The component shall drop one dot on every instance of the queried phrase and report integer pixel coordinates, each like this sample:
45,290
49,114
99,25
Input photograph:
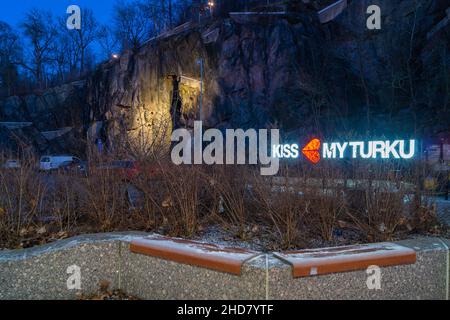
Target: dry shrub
327,201
148,211
376,214
172,198
62,201
154,197
384,200
300,205
379,201
182,206
283,208
21,198
325,210
231,196
103,198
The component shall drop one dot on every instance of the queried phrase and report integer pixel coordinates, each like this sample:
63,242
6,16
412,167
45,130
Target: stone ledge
219,258
41,273
311,262
425,279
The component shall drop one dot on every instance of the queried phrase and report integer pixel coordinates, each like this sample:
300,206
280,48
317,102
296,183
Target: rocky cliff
53,121
287,70
292,72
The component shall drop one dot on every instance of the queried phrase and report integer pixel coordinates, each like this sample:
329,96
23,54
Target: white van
48,163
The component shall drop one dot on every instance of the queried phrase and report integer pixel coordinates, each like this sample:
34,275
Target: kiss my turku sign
252,146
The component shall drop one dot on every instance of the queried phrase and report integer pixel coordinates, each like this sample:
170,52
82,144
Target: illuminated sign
380,149
263,147
312,151
285,151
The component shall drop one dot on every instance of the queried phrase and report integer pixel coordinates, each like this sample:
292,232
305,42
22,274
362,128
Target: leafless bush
103,199
149,211
231,187
284,208
303,206
21,197
384,200
182,204
62,201
327,201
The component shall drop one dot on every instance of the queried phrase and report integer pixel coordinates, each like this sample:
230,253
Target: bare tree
166,13
107,41
65,53
182,11
132,24
10,52
39,27
156,12
85,36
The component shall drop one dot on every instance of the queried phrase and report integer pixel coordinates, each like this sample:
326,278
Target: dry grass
230,188
304,206
21,198
284,209
173,198
103,200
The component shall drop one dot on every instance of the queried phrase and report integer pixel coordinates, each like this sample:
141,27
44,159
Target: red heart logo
311,151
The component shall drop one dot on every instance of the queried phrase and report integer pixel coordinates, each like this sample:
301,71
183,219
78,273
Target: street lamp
200,62
211,6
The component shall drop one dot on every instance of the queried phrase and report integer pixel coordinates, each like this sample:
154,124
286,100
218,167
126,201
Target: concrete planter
133,265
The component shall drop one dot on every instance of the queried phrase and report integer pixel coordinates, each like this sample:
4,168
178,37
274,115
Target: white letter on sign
329,152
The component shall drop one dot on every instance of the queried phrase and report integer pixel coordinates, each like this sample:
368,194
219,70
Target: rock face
63,106
60,107
290,72
404,67
254,74
287,71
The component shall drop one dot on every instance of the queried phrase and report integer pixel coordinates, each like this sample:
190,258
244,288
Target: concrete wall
41,273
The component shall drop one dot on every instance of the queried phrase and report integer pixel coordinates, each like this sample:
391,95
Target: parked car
49,163
126,169
11,164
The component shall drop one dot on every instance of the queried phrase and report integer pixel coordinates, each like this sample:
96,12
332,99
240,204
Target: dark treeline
40,51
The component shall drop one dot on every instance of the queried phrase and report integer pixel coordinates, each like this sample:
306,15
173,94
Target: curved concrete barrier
195,253
155,267
311,262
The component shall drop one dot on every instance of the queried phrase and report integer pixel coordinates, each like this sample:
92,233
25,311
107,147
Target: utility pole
200,62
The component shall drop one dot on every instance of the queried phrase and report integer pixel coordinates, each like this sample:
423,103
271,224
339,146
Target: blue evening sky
13,11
